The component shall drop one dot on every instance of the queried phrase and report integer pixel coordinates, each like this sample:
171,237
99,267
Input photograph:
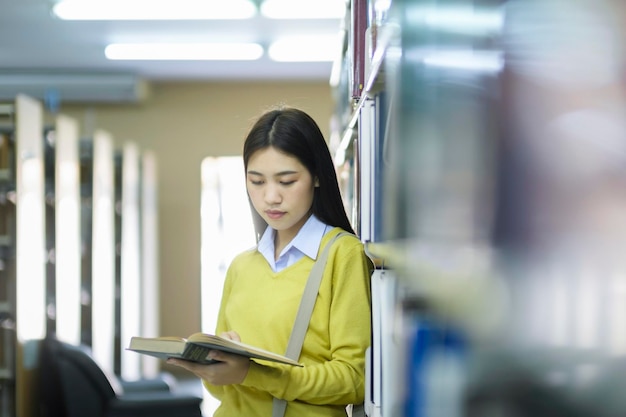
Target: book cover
196,347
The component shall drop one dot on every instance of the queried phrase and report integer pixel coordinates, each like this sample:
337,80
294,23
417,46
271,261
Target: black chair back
74,385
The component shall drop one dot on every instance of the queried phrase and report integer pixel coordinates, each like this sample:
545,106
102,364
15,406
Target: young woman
297,209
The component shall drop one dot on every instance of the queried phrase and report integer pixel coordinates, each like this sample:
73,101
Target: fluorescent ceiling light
184,51
303,9
153,9
305,49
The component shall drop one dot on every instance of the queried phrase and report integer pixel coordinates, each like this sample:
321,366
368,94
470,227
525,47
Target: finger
174,362
232,335
181,363
221,356
217,355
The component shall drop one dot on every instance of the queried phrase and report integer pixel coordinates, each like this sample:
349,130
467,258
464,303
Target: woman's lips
274,214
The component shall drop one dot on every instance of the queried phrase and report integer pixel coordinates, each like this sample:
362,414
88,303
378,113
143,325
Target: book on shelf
359,25
196,347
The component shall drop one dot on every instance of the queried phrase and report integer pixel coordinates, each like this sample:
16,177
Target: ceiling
34,43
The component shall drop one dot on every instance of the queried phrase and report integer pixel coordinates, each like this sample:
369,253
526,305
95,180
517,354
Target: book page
241,348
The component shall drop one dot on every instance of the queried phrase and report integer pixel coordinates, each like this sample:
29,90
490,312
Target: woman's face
281,190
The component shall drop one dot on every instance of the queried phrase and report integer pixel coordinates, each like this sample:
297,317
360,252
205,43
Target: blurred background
480,146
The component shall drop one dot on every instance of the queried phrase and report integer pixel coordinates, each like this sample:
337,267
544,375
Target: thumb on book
231,335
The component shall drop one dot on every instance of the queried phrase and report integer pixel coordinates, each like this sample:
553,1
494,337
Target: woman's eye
256,182
287,182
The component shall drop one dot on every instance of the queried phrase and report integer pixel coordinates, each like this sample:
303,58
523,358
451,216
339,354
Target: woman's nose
272,194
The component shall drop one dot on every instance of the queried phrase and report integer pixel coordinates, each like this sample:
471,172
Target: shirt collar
309,237
307,240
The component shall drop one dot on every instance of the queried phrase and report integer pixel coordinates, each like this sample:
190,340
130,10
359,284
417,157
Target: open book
196,347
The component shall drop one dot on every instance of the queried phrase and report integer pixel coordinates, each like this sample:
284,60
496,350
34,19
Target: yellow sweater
261,306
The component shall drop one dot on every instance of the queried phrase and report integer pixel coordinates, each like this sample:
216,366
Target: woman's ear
317,182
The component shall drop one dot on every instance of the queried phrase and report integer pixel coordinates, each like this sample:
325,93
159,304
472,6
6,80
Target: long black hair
295,133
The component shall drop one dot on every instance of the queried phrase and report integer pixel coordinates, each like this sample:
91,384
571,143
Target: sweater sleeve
335,374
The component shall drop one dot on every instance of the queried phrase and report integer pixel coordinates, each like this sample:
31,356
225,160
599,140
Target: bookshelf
360,124
149,214
48,139
61,199
67,220
131,285
407,174
103,262
118,211
85,163
29,298
497,271
28,282
8,338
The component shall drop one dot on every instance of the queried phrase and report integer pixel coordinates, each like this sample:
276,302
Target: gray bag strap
301,324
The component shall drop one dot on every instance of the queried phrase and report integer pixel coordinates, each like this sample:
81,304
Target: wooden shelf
459,282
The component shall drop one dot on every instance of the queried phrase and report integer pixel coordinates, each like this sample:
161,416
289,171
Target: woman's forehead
269,161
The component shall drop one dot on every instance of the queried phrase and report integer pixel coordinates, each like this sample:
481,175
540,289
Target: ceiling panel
33,41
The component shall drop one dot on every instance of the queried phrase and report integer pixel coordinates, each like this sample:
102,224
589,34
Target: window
227,230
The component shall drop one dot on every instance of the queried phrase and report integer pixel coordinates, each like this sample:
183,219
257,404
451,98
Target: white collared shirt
306,243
